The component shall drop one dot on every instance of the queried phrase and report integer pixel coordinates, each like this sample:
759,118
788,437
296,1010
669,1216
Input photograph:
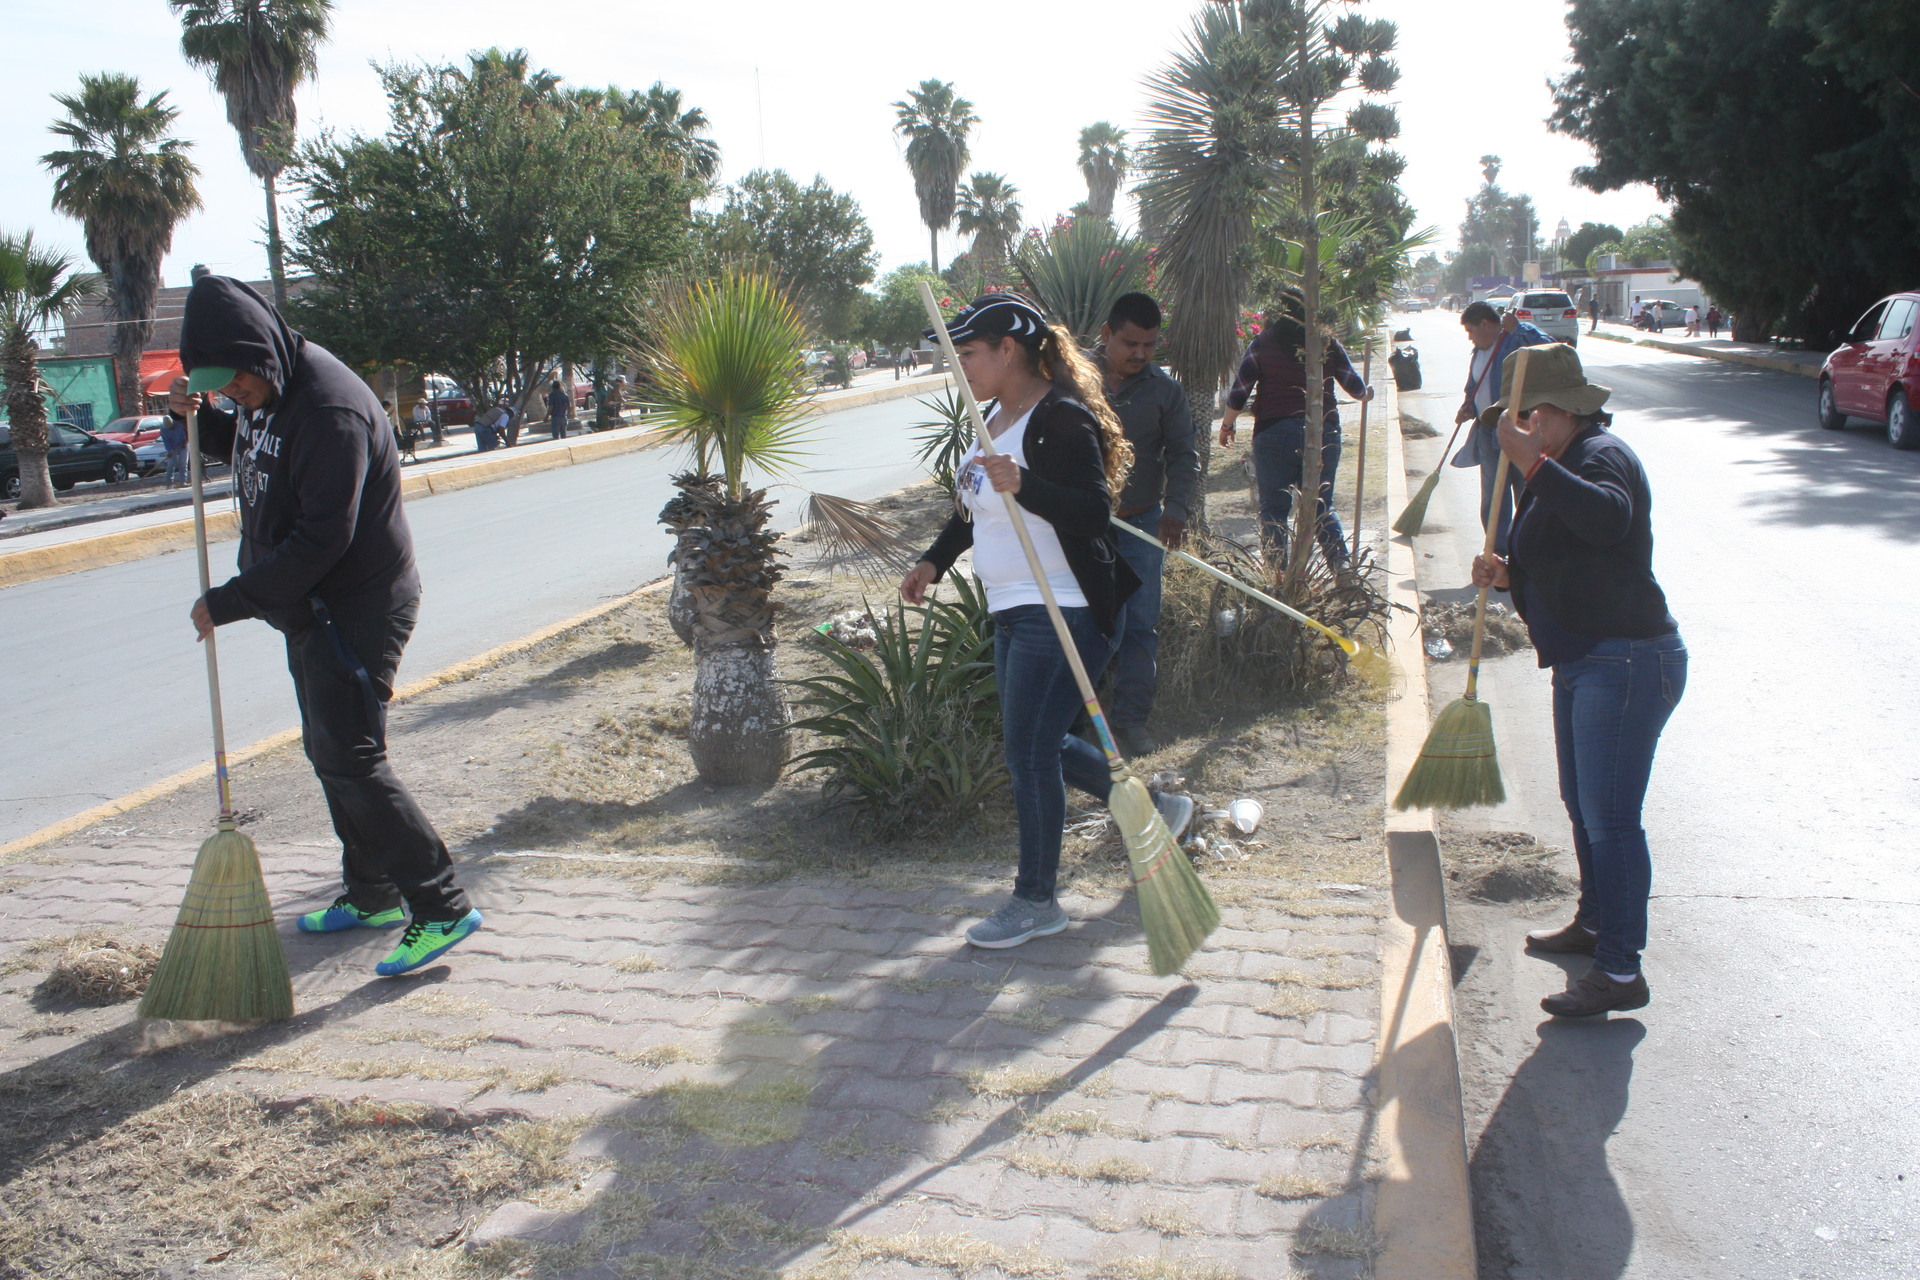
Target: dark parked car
73,455
1875,373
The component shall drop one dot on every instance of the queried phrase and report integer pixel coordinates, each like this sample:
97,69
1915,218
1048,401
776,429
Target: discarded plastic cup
1245,814
1226,622
1438,649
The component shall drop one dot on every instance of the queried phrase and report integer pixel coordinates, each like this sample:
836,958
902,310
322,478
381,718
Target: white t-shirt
997,556
1488,389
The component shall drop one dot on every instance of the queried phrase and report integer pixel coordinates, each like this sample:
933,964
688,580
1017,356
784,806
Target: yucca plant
945,438
912,726
1077,272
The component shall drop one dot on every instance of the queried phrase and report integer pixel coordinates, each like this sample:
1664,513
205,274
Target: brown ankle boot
1571,939
1596,992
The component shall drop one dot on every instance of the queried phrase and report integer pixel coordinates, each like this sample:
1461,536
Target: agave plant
1077,272
945,438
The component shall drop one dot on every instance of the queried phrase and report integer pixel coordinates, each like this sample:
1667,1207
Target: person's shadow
1558,1211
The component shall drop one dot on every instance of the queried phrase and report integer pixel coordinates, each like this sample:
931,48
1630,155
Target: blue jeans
1038,702
1279,464
1136,654
176,466
1608,710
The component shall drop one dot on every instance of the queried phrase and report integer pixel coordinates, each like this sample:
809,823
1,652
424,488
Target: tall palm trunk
933,248
27,412
133,326
276,261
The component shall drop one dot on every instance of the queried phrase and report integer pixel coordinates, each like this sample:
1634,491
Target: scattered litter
1166,780
1226,622
1453,623
1245,814
1227,851
855,628
1438,649
105,974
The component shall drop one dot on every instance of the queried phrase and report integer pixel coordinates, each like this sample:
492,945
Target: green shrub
945,438
911,726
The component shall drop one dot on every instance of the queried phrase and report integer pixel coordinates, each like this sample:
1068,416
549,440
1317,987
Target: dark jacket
1065,484
1583,541
318,475
1153,411
1274,376
1482,448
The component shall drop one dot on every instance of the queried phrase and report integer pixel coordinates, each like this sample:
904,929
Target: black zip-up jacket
318,474
1065,484
1583,539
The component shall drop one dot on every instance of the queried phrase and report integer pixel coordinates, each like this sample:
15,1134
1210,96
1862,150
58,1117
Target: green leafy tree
1103,163
813,241
1496,236
1649,242
1589,237
989,211
894,317
1778,130
37,286
498,228
935,122
258,52
129,181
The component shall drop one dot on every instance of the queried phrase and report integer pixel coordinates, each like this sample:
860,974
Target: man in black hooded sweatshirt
326,558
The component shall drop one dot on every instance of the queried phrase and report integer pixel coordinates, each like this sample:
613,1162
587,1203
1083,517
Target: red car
1875,373
134,432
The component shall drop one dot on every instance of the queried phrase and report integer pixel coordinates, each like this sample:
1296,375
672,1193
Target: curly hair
1059,359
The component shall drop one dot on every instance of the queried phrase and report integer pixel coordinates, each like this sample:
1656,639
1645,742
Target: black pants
389,850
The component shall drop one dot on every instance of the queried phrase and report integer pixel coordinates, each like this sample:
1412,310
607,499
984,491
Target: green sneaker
424,942
344,915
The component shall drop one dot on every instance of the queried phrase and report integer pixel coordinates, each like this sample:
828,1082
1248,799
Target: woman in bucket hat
1580,567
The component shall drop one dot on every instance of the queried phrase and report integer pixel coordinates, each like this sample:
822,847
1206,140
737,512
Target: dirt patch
1506,633
1505,866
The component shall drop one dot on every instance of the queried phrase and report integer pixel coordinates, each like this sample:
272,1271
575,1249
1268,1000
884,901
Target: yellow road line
200,773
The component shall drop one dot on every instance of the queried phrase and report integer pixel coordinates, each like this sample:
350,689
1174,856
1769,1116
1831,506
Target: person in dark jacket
1273,376
327,559
559,405
1495,335
1061,455
1158,499
1580,568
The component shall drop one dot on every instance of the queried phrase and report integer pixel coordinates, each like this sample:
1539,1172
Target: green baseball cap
209,377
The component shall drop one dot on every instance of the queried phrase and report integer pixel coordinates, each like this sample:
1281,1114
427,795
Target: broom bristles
1416,511
1176,911
1458,767
224,961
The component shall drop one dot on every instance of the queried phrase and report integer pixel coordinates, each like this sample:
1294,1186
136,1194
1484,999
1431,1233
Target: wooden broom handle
1360,472
1493,521
197,473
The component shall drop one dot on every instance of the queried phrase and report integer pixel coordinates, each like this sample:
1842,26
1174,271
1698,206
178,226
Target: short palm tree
935,122
989,211
1103,162
37,286
729,381
129,181
258,52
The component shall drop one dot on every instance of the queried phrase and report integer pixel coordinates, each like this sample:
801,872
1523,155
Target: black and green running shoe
426,941
344,915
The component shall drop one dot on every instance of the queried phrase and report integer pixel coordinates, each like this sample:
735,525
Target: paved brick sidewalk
817,1077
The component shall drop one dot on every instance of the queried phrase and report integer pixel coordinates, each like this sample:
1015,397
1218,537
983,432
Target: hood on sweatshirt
229,326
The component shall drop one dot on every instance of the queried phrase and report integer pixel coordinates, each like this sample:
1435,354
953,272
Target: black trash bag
1405,363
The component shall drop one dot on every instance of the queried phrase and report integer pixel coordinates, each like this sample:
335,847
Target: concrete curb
123,545
1775,363
286,737
1424,1207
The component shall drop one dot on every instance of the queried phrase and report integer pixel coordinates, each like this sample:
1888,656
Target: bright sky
807,88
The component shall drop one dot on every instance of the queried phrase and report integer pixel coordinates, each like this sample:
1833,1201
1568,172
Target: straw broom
1415,514
224,961
1458,767
1176,911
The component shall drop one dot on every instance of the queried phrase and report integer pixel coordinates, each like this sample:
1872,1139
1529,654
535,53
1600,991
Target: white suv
1551,312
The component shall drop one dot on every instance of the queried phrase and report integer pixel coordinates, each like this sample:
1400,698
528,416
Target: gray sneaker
1175,811
1016,921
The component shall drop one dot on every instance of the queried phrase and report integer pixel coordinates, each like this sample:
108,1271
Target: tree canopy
499,226
1496,236
894,316
1589,237
813,241
1785,133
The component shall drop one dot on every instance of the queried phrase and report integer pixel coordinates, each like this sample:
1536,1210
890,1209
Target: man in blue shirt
1494,339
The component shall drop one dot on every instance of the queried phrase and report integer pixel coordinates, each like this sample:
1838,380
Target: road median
1752,359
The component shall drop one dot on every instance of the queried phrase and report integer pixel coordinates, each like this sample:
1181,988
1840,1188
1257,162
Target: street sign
1532,273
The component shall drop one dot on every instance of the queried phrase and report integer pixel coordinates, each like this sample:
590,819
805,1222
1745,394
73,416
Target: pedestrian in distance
487,424
1580,570
1693,320
426,422
326,558
559,405
1157,499
173,438
1634,312
1494,338
1593,312
1272,378
1062,455
1713,321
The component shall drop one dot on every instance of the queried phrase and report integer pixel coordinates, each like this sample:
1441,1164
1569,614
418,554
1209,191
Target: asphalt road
1761,1118
104,689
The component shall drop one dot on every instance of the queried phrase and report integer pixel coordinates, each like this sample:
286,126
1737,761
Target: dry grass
954,1252
101,975
814,1004
640,962
1316,1239
1062,1124
1330,977
34,955
738,1115
1328,1141
438,1004
1014,1082
1161,1268
738,1221
659,1055
1295,1186
1293,1003
1109,1169
1169,1222
1031,1019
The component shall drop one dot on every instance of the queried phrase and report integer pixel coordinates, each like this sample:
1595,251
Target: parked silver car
1550,311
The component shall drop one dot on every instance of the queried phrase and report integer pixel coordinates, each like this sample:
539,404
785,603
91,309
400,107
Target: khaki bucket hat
1554,377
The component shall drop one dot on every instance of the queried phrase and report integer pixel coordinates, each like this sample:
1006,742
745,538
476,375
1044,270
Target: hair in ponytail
1059,360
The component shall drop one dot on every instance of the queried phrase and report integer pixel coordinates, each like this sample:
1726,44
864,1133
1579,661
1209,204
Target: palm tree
730,383
683,132
1103,161
258,52
935,124
989,211
129,182
36,287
